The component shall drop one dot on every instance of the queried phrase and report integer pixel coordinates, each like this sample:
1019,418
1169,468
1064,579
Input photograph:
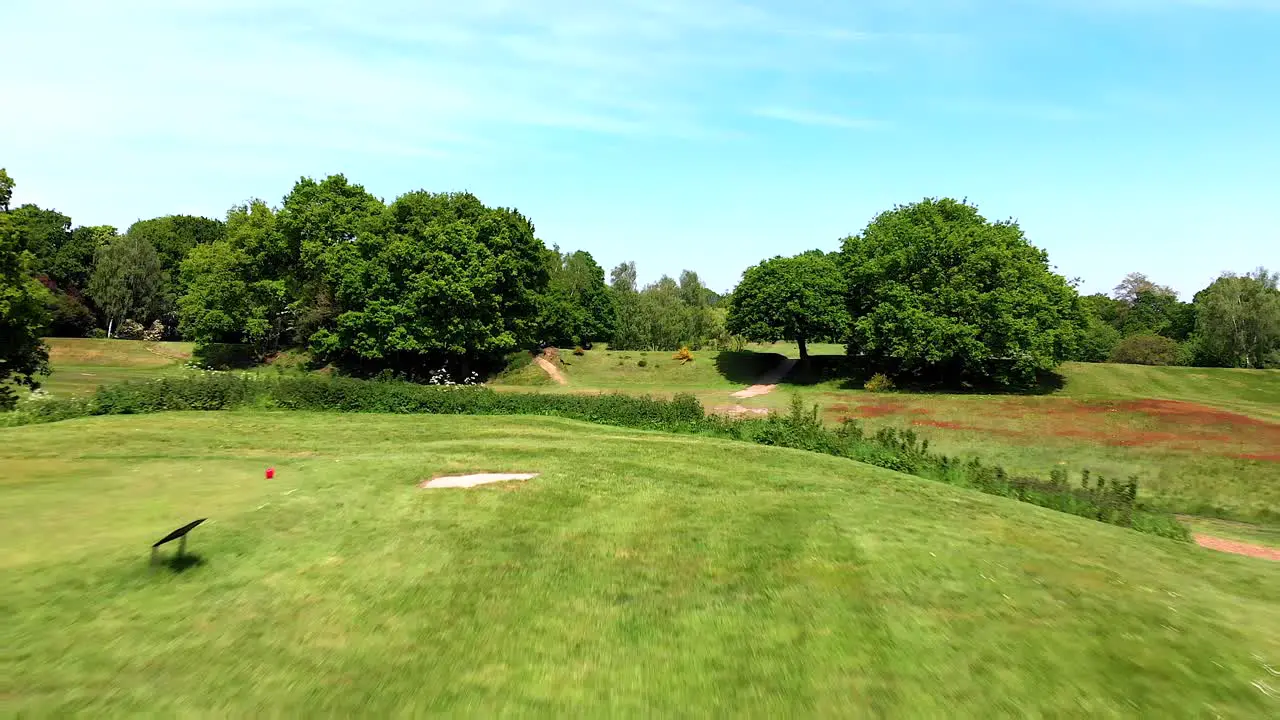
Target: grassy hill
80,365
642,573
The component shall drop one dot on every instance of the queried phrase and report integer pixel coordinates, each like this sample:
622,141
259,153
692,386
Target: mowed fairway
81,365
642,574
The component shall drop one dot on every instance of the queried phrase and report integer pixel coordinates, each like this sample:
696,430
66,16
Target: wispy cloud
819,119
434,77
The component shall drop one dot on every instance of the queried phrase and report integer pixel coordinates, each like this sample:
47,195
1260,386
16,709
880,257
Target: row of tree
935,292
434,281
1234,322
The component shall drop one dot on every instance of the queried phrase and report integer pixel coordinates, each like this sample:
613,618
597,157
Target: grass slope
1251,392
642,574
80,365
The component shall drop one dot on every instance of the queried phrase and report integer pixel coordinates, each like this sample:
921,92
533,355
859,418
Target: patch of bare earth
1237,548
738,410
768,382
546,362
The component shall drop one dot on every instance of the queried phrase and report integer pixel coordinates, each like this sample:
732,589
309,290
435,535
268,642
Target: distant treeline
437,282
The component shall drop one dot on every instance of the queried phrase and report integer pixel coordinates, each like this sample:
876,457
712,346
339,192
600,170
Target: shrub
1146,349
579,351
129,330
642,363
155,333
878,383
98,333
69,316
684,355
737,343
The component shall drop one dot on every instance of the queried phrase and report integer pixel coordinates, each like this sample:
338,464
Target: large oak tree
937,292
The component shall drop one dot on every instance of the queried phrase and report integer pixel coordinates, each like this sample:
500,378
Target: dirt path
1237,548
769,381
549,368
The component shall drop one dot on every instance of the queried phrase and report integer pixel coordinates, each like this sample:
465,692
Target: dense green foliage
1235,322
576,308
1238,320
800,298
232,296
127,281
1145,348
173,237
447,282
800,429
664,315
938,293
23,315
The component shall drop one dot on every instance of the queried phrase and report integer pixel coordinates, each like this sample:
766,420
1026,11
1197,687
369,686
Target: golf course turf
639,574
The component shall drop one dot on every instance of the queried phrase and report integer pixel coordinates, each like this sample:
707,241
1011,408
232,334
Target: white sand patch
465,481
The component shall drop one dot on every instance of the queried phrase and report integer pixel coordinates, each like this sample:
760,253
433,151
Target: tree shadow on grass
1045,384
850,373
745,367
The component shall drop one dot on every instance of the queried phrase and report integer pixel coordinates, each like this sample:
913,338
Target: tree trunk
110,323
804,348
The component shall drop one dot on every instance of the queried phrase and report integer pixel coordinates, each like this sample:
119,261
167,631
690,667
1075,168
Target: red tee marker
271,472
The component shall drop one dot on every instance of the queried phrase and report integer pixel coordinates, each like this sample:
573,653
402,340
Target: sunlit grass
641,574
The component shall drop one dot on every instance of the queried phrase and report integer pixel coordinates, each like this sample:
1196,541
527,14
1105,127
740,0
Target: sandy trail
550,368
769,381
1237,548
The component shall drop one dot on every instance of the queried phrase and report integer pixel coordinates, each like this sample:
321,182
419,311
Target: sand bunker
464,481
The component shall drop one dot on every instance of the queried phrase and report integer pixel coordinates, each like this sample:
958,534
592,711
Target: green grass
80,365
604,369
1189,458
1197,463
642,574
1250,392
1243,532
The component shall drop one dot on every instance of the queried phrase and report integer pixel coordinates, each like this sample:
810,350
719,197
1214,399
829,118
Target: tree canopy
232,295
577,307
442,279
937,292
799,298
127,281
1238,319
664,315
23,357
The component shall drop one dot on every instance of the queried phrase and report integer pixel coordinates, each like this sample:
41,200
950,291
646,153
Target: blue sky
1124,135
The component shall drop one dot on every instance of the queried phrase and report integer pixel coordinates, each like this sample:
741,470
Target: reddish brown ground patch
1185,412
884,408
1133,423
950,425
1237,548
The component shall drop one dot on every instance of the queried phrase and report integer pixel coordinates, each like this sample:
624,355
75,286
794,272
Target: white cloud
435,78
809,117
